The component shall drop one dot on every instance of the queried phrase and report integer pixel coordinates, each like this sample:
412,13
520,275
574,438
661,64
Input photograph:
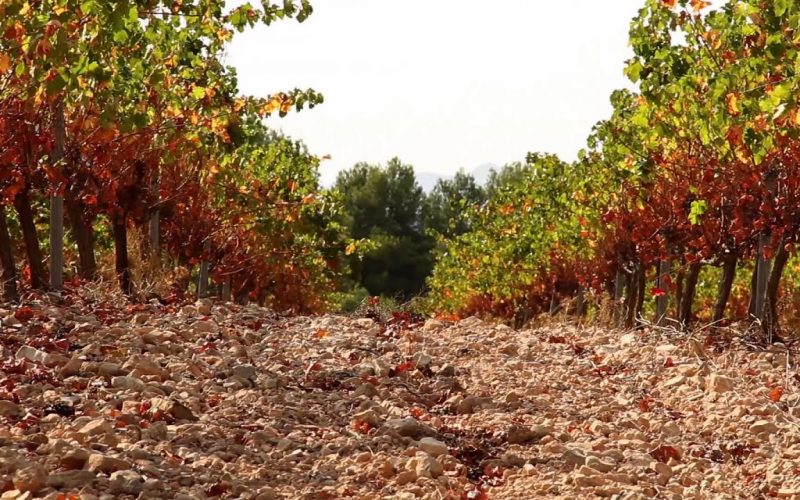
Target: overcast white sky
442,84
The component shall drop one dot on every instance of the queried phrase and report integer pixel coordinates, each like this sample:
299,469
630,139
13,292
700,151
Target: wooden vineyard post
619,289
580,302
763,265
9,275
202,283
155,221
662,283
57,206
202,279
553,304
226,290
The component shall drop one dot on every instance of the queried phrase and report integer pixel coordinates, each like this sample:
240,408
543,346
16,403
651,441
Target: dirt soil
207,400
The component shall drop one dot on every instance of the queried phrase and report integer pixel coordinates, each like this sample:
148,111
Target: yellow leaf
219,124
273,105
733,104
351,249
5,63
39,97
224,35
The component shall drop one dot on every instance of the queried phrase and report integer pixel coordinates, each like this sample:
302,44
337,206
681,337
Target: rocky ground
204,400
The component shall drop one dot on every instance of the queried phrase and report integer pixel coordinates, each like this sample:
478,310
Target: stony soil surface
222,401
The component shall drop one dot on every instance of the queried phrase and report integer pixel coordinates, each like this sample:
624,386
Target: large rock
590,481
519,434
70,479
173,408
369,417
103,463
365,323
381,368
432,446
663,471
96,427
247,372
574,457
73,459
471,404
31,478
72,367
447,371
129,383
366,389
9,409
720,383
204,306
104,369
432,325
141,318
31,354
406,477
126,482
600,464
204,327
425,466
764,427
409,427
157,431
145,366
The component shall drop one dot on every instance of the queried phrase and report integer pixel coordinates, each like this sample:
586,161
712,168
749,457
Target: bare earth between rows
237,402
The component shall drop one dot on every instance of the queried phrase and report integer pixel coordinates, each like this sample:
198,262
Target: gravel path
207,400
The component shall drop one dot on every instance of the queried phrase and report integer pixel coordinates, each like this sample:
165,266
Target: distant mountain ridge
428,180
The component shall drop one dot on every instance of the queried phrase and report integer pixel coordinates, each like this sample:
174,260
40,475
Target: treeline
691,184
385,206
